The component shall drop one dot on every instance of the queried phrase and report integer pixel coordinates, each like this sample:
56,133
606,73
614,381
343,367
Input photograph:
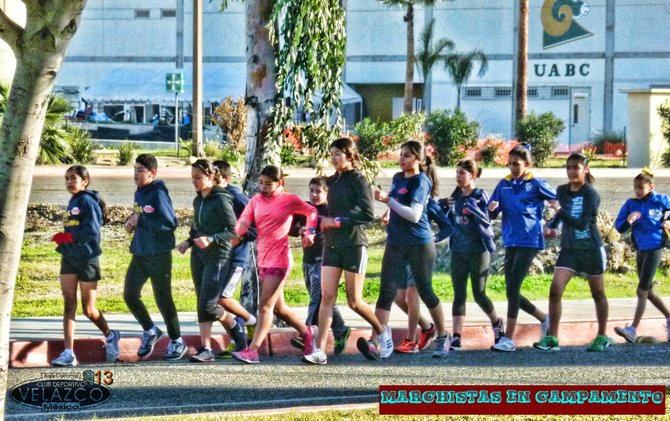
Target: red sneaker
426,337
407,347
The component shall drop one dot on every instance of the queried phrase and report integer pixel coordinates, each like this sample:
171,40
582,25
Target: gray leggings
647,263
421,259
476,265
517,263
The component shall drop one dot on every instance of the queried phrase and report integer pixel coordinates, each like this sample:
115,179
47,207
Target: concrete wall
645,138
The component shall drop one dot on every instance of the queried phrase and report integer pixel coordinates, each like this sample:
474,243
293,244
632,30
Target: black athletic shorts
352,259
592,262
86,270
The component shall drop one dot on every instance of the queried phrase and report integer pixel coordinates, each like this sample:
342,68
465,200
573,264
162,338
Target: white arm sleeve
412,214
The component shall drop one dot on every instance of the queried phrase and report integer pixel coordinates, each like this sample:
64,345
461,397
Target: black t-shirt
579,211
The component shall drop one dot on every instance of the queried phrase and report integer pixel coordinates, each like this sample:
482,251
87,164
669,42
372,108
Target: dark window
532,93
473,92
575,114
561,91
168,13
142,13
503,92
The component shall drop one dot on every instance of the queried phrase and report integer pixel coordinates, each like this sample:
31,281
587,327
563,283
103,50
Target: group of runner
331,226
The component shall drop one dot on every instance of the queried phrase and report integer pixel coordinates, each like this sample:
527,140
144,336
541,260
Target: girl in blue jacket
520,197
79,246
646,215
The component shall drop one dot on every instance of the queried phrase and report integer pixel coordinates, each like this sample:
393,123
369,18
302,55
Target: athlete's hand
183,246
235,242
328,223
550,232
131,222
381,196
386,217
307,240
666,224
202,242
555,205
493,205
633,217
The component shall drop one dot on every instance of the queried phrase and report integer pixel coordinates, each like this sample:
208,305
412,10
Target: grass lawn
38,290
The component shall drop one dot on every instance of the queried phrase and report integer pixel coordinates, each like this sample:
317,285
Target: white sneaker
544,327
505,344
442,345
316,357
112,347
66,359
629,333
386,343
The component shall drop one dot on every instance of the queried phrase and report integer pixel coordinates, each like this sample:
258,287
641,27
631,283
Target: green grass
38,290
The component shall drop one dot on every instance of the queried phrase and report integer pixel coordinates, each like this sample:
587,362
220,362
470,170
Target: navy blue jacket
521,203
240,254
647,231
83,219
469,214
156,221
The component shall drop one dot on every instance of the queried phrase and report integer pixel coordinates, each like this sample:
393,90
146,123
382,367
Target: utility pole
522,67
196,122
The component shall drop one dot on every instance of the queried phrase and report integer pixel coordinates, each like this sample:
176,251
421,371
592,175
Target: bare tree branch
10,31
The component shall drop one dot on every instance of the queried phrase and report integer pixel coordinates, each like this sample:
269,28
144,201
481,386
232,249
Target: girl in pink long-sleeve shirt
272,211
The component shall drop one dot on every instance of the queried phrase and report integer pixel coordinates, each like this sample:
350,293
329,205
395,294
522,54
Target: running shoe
297,342
426,337
317,357
505,344
629,333
66,359
498,330
308,339
148,343
226,353
442,344
368,349
341,341
545,327
112,347
386,343
407,347
175,351
247,355
455,344
548,343
238,334
600,343
204,355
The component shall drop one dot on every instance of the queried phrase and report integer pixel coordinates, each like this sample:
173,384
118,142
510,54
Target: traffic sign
174,82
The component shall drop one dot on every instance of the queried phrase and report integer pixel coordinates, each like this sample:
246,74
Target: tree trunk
522,65
261,91
459,86
408,103
39,49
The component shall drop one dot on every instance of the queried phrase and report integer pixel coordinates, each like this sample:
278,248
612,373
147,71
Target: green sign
174,82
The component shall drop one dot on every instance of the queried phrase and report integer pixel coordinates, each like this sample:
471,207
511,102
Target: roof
133,85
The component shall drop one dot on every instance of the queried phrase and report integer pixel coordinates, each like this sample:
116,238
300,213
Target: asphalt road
184,388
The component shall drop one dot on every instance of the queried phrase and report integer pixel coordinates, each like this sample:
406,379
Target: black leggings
476,265
647,262
517,263
210,277
421,259
159,269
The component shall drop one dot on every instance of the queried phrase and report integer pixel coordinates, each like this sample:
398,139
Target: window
532,93
168,13
560,91
142,14
473,92
503,92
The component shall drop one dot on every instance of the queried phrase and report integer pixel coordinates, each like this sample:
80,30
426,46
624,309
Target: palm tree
522,64
429,55
409,68
459,66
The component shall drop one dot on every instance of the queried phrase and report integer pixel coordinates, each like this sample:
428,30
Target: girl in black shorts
79,246
582,250
646,214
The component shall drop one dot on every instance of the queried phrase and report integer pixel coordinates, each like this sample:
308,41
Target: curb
34,354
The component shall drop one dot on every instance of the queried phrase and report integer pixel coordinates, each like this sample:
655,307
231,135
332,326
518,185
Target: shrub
540,132
375,139
81,144
54,147
212,148
231,117
589,152
126,153
287,155
664,112
452,134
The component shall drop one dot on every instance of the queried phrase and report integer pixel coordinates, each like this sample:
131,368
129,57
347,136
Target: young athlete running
646,215
581,251
211,240
272,211
239,257
520,197
311,267
471,247
345,248
410,242
79,246
153,223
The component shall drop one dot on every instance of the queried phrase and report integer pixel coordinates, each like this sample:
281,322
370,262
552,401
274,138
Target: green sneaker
600,343
548,343
341,342
226,353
